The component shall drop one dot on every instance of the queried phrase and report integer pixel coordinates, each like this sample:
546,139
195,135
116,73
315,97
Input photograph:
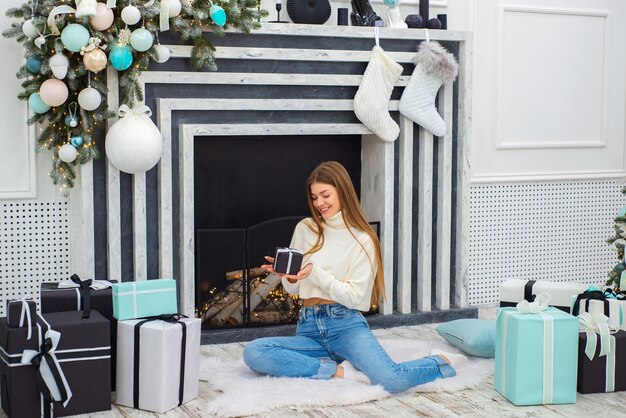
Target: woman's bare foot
454,360
347,371
339,373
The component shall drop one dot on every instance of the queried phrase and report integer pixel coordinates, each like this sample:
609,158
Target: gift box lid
144,286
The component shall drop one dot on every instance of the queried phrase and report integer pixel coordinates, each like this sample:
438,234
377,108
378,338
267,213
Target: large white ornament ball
162,53
29,29
134,144
53,92
175,8
59,65
130,15
89,98
103,18
67,153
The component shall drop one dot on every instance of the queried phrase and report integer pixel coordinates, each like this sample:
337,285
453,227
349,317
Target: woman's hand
269,267
302,274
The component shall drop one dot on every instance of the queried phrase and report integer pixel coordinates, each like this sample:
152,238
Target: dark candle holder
279,7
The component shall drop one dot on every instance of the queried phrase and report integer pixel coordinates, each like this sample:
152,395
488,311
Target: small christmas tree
66,44
618,241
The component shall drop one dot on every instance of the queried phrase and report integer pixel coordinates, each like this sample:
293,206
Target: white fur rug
244,392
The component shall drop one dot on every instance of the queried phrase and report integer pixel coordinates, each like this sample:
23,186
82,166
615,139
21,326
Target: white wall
549,90
17,161
547,141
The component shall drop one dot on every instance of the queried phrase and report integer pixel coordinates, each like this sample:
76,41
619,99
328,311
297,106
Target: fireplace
249,195
291,82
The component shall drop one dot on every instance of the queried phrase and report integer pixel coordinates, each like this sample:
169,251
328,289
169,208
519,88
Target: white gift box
513,291
159,367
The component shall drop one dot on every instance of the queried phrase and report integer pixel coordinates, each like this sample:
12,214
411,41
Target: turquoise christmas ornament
141,39
121,57
76,141
218,15
74,37
71,121
621,213
33,64
36,104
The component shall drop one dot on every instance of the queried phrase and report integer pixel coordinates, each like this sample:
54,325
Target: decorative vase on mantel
308,11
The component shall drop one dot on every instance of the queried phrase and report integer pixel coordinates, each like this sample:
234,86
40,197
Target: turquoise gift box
536,356
141,299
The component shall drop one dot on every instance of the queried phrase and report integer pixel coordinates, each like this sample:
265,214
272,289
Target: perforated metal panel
540,231
34,247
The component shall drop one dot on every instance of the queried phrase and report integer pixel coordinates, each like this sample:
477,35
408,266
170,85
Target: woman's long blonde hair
334,174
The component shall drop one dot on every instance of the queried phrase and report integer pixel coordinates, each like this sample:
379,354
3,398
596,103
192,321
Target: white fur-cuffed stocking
371,103
434,66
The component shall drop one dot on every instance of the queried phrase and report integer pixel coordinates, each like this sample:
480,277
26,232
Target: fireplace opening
249,195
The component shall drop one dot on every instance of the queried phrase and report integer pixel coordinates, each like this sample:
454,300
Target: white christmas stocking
434,66
371,103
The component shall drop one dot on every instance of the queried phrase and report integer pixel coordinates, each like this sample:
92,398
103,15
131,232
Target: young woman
342,275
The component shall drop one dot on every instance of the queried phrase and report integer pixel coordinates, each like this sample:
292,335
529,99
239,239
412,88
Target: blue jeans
329,334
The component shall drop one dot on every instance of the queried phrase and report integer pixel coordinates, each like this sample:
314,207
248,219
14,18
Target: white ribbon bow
44,368
540,304
95,284
137,110
52,24
25,316
592,325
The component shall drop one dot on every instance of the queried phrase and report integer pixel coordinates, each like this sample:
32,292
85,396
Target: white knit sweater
343,269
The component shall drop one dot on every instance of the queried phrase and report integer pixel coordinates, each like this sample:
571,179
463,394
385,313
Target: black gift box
83,354
287,261
14,313
54,299
592,373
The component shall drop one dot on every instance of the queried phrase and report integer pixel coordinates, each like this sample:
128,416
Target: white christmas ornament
86,8
29,29
163,53
175,8
134,144
67,153
130,15
59,65
89,98
40,41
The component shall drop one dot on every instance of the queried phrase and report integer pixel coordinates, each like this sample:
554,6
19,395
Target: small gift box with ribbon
599,346
288,261
597,303
143,299
75,294
158,362
513,291
21,312
536,354
63,369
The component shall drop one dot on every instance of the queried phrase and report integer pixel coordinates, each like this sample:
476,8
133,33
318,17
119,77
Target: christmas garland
69,44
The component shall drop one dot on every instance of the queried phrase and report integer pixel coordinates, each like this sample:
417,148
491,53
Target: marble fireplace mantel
289,80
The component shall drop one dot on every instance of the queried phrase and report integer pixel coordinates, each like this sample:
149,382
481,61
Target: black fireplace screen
232,288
